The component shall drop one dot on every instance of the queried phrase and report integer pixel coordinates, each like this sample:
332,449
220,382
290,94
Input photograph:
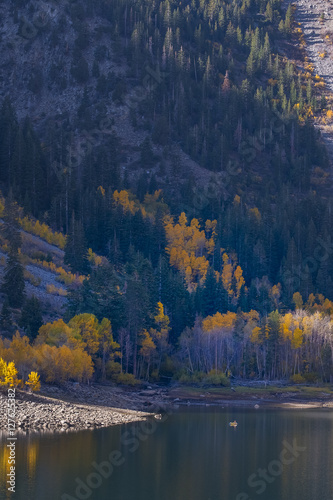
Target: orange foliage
188,246
219,321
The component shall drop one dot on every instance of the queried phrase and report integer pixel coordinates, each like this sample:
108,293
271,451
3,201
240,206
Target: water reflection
194,454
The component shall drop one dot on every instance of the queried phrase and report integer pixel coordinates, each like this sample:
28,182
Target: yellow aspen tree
297,338
256,337
122,198
86,325
298,300
147,349
240,281
8,374
227,274
188,247
33,381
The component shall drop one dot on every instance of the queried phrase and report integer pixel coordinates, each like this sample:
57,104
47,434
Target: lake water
193,455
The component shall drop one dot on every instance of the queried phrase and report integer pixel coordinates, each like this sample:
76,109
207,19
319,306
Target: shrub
33,381
216,378
33,280
127,379
297,379
311,377
112,369
53,290
8,374
154,376
190,378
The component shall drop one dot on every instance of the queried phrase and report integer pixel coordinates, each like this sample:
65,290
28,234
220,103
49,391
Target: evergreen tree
76,248
31,317
10,229
13,281
6,316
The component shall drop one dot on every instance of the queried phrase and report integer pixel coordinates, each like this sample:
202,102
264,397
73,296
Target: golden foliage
147,345
94,259
65,277
219,321
60,364
53,290
232,277
8,374
122,199
44,232
188,247
33,381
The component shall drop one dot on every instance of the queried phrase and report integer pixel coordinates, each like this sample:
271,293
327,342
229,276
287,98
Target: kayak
233,424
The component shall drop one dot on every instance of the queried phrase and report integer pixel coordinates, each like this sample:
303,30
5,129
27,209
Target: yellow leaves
122,198
161,319
239,280
256,335
182,221
65,277
101,191
237,200
251,316
255,213
94,259
329,114
43,231
53,290
219,321
297,338
62,363
86,325
298,300
309,112
33,381
54,334
231,273
291,331
309,67
8,374
147,345
187,246
227,274
328,306
322,55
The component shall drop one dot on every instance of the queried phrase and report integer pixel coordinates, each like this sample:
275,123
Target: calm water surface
192,455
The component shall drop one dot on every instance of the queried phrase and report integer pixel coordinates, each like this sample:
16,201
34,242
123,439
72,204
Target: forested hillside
169,149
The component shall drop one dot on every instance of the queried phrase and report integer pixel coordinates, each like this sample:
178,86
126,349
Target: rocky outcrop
36,413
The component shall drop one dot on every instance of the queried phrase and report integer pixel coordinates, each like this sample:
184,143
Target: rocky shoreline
34,413
77,407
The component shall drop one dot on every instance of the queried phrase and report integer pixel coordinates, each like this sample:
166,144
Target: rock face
36,413
316,20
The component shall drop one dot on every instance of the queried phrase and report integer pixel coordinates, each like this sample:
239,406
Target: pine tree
76,248
6,316
209,299
31,317
10,229
13,281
